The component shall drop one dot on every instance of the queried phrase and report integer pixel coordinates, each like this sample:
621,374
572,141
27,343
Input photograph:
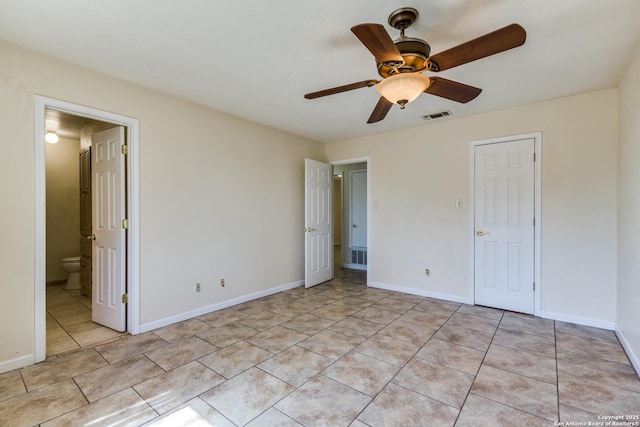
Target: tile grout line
404,365
78,304
475,377
145,401
525,376
333,362
279,400
295,388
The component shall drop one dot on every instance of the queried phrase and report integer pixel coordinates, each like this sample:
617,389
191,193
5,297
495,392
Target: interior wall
629,208
199,219
417,173
214,191
63,205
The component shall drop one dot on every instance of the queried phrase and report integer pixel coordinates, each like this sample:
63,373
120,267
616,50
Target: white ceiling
256,59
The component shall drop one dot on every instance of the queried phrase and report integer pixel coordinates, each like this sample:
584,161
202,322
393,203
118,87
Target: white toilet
72,266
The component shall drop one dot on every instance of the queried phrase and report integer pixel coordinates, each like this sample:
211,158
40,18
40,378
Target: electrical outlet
197,287
222,282
427,271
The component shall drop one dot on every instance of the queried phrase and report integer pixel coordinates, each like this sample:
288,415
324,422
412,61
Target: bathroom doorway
63,316
71,318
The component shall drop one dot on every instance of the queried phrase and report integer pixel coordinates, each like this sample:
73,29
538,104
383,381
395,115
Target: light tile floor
337,354
69,325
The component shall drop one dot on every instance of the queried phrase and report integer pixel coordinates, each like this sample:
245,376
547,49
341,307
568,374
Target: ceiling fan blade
495,42
380,111
377,40
454,91
339,89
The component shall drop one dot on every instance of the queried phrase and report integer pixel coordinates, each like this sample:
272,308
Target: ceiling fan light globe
403,88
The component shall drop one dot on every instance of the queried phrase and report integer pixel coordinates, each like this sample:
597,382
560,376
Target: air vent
437,115
359,256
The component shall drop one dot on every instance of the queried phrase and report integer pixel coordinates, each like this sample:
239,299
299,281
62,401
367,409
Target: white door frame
366,160
132,126
537,137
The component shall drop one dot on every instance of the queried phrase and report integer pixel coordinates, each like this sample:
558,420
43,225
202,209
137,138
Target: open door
109,227
318,212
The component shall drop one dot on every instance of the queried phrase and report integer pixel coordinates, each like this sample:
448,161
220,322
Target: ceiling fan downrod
403,18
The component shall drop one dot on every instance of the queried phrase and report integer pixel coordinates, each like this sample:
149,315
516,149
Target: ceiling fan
401,63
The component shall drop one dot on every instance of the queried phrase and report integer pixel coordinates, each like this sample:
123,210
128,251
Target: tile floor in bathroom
69,324
337,354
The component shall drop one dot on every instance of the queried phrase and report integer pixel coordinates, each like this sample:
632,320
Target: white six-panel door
504,225
108,210
318,236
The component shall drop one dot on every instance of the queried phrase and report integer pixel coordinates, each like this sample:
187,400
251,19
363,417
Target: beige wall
63,205
417,173
629,209
215,191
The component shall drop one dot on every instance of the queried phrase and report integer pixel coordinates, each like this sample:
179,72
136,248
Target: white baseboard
149,326
578,320
420,292
635,361
20,362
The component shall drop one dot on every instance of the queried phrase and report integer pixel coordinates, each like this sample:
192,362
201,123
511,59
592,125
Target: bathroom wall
63,205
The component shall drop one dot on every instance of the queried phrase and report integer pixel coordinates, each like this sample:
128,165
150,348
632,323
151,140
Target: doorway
505,202
337,219
350,211
73,319
130,128
324,184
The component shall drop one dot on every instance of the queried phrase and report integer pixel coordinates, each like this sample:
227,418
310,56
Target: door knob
92,237
354,225
481,233
309,229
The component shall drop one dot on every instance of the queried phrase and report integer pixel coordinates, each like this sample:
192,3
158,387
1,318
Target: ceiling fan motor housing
415,53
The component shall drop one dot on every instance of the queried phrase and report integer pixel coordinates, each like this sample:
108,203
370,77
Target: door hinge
534,157
125,223
125,298
534,222
124,149
534,286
